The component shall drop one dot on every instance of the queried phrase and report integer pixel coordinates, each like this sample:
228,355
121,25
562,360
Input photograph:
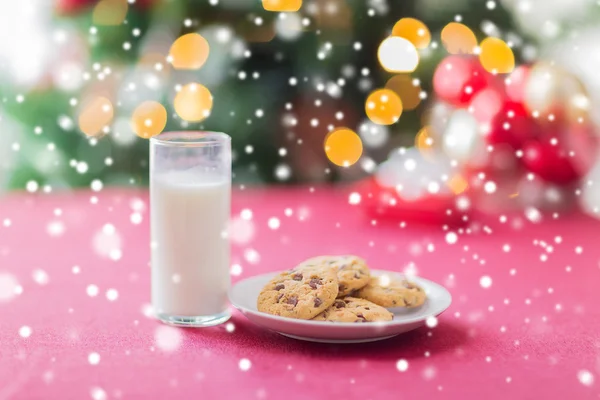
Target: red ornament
458,78
551,162
71,7
516,84
513,125
385,203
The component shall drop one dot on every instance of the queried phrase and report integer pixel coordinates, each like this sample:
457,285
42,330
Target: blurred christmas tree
280,81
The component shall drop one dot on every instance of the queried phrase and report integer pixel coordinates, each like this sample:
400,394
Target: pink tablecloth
74,294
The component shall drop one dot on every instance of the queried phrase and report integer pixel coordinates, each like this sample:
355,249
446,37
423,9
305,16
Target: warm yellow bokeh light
343,147
458,39
189,52
407,88
424,142
149,119
282,5
458,184
110,12
95,115
383,107
193,102
496,56
414,31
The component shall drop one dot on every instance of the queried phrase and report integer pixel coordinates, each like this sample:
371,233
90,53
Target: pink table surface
533,334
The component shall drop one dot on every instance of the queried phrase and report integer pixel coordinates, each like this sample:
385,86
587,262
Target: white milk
190,250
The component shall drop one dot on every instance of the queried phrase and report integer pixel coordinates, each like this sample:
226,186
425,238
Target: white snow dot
259,113
246,214
96,185
245,364
485,281
451,238
94,358
167,338
230,327
402,365
274,223
135,218
25,331
92,290
236,270
578,249
585,377
98,393
32,186
431,322
489,187
354,198
40,277
112,294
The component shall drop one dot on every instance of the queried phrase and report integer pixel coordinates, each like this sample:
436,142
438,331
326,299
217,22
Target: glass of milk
190,196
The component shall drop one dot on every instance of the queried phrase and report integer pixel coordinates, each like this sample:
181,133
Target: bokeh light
343,147
548,86
193,102
95,115
397,54
424,141
110,12
282,5
458,39
189,52
458,184
383,107
149,119
496,56
9,286
407,88
414,31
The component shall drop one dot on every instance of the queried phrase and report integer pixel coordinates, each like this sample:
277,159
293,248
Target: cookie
388,292
353,272
352,309
302,292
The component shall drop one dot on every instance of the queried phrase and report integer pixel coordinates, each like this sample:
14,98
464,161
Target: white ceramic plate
243,296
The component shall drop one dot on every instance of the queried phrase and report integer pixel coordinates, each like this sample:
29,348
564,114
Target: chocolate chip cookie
353,272
392,292
302,292
352,309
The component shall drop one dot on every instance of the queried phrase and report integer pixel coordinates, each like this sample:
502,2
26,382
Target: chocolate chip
279,297
339,304
297,277
279,286
356,275
393,301
342,287
314,282
318,302
367,308
293,300
361,318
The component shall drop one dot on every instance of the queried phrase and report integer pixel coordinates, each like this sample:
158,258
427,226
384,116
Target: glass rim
190,139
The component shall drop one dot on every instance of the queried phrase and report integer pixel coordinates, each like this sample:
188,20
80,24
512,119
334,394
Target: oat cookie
392,292
353,272
302,292
352,309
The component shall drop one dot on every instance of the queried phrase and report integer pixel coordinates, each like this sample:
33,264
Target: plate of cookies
338,299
